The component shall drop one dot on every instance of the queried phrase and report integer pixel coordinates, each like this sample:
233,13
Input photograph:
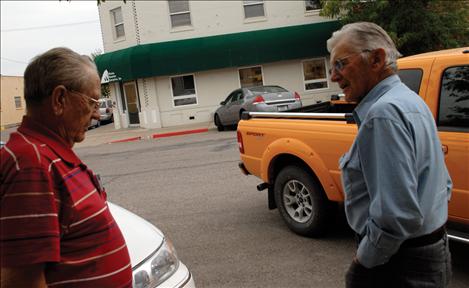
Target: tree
105,91
416,26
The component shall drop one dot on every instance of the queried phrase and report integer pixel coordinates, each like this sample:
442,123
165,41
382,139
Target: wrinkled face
351,71
83,106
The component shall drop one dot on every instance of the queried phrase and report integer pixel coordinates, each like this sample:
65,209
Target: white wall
109,43
150,112
212,87
208,18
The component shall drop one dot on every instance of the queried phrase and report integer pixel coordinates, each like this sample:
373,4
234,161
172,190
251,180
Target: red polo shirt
53,210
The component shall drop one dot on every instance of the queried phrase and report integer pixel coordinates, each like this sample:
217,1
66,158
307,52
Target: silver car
269,98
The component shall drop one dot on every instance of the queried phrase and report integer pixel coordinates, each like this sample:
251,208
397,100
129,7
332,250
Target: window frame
318,79
247,67
313,11
174,98
404,70
19,103
258,2
441,127
115,24
180,13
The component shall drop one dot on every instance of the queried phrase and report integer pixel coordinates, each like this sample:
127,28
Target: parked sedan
152,255
269,98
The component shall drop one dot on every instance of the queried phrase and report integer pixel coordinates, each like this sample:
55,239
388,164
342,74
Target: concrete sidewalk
107,134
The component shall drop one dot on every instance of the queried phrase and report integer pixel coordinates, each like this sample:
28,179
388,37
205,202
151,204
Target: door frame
137,101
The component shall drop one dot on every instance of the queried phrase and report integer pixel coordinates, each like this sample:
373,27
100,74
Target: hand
355,260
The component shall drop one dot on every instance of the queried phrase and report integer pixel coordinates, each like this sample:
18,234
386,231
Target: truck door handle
444,148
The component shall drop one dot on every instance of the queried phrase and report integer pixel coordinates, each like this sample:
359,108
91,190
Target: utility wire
50,26
11,60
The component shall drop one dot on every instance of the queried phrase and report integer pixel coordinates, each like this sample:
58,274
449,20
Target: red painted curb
169,134
127,140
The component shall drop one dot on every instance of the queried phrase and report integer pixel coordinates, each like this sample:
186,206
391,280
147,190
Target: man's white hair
366,36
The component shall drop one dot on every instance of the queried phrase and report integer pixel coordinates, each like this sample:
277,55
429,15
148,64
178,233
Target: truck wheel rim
297,201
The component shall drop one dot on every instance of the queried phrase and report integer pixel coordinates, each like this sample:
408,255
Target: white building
172,62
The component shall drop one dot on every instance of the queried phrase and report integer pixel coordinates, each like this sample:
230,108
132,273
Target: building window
179,13
183,90
453,112
118,22
253,8
250,77
312,5
315,75
18,102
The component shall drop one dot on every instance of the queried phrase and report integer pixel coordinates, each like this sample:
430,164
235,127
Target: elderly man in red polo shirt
56,229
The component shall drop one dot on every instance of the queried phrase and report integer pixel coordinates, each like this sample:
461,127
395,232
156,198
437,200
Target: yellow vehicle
302,149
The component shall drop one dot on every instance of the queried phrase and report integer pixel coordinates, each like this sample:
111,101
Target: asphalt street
191,188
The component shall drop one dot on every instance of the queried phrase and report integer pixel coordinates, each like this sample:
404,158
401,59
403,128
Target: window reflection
454,98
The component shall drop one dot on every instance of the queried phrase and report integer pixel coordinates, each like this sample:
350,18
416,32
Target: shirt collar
382,87
38,131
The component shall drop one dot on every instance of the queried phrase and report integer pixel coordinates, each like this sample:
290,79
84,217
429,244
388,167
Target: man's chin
79,138
349,98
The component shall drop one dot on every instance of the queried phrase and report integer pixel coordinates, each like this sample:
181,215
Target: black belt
425,239
418,241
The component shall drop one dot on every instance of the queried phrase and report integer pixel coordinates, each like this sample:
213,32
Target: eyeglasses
340,63
94,104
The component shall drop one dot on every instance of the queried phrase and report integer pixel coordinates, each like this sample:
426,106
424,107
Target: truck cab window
453,110
412,78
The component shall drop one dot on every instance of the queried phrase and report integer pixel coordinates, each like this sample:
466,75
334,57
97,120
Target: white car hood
141,236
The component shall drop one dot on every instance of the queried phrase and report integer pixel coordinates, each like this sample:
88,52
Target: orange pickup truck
296,154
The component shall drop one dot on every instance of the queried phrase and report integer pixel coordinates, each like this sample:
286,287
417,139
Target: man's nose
335,76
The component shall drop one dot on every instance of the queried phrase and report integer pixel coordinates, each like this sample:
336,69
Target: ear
58,100
378,59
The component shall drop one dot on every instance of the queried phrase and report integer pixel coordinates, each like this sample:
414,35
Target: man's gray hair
57,66
366,36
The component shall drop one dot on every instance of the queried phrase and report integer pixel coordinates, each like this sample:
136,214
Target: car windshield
102,105
267,89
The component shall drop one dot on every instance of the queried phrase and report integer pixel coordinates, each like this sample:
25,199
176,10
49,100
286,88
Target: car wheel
302,202
98,124
220,126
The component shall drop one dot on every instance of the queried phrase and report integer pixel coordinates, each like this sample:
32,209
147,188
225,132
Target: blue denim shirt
395,179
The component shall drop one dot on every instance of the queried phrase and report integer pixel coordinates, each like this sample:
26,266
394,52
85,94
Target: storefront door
131,97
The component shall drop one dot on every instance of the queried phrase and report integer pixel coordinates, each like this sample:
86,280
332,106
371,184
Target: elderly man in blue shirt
395,179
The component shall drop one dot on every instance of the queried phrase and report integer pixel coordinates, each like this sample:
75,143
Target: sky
29,28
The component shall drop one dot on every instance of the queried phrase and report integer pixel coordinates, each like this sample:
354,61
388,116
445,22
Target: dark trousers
416,267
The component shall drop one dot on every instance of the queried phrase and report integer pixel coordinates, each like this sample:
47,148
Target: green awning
216,52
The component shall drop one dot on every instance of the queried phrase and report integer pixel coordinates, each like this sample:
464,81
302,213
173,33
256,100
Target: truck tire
302,202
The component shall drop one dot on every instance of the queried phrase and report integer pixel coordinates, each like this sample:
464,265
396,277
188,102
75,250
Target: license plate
282,108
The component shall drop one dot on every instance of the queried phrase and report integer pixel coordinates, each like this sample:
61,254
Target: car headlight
158,267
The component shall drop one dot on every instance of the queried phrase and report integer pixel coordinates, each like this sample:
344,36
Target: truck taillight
258,99
297,96
240,143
